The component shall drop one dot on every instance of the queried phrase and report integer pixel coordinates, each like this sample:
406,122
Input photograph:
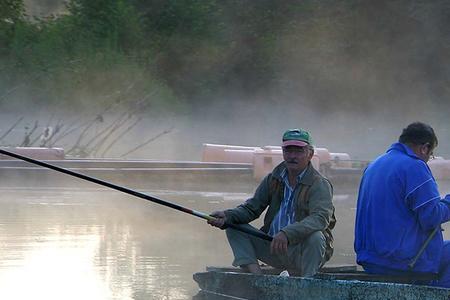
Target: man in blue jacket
398,208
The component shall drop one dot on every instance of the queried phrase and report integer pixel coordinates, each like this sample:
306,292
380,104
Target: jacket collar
404,149
307,178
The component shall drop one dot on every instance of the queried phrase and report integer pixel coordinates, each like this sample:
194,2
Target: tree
106,23
12,12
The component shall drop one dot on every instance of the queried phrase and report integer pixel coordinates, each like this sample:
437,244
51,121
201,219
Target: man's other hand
279,244
219,219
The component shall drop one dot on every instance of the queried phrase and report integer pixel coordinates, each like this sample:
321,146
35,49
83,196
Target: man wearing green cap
299,217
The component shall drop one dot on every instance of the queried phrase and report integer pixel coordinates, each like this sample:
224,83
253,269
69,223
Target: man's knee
315,241
309,255
234,234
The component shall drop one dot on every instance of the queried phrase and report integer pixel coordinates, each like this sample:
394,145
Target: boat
331,283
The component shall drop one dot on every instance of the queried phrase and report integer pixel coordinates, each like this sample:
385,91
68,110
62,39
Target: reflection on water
51,266
100,244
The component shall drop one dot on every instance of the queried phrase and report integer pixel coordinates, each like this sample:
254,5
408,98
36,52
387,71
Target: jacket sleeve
434,212
321,209
424,199
253,207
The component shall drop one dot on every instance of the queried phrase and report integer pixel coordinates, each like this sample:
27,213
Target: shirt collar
284,175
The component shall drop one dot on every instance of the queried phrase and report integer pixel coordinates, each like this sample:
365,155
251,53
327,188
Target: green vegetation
172,53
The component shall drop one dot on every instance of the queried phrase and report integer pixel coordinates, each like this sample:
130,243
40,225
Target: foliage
196,50
106,24
11,14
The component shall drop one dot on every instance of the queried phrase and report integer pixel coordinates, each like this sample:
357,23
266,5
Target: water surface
100,244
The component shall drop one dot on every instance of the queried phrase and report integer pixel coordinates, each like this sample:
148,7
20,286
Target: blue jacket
398,206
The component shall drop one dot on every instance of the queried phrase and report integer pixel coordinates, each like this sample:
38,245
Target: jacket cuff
229,215
446,199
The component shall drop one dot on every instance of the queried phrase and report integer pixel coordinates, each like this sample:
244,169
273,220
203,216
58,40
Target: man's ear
425,149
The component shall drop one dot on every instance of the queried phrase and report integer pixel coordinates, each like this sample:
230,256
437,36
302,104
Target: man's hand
279,244
219,219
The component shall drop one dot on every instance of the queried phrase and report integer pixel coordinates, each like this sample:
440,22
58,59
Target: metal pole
422,249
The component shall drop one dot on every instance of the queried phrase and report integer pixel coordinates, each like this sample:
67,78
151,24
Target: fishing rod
423,247
153,199
413,262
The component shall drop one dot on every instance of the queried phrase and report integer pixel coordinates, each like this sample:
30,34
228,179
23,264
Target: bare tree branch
11,128
148,141
120,136
112,129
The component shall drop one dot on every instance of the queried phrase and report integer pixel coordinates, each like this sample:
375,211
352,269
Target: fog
362,136
353,81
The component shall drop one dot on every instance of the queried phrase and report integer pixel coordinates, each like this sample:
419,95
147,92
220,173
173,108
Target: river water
70,243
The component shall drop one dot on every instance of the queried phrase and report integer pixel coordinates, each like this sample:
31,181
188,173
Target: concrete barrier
239,156
269,157
264,160
36,153
340,160
323,155
217,153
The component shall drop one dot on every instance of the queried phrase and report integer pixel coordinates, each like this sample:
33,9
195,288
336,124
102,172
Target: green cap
296,137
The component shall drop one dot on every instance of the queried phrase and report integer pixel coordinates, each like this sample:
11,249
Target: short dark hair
418,133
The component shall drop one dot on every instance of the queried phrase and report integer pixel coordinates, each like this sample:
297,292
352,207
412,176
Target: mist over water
361,136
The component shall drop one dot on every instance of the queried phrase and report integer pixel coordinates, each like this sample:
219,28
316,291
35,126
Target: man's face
297,158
